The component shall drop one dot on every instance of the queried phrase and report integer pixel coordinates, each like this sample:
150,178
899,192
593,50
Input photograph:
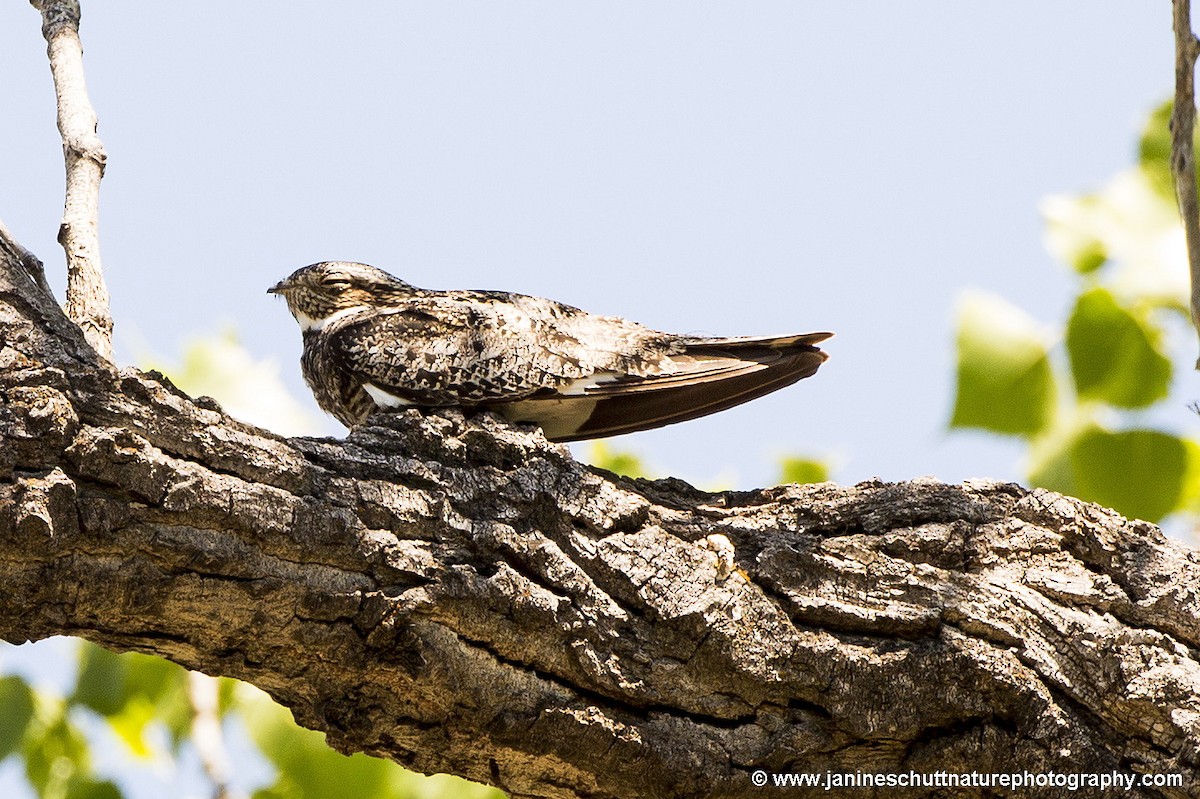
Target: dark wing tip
723,373
647,409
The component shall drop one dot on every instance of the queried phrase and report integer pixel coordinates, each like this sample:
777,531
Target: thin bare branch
1183,164
87,296
207,735
28,262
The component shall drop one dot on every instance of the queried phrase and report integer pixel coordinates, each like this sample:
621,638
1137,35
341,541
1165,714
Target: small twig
1183,164
29,262
207,736
87,297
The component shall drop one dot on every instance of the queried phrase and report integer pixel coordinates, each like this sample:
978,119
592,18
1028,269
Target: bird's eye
335,283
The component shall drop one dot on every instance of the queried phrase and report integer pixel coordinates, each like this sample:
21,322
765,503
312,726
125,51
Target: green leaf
803,470
1075,230
1154,150
158,692
1005,383
86,788
130,725
55,752
108,681
16,710
1191,479
131,691
1114,354
227,695
101,685
152,677
616,461
1139,473
1090,256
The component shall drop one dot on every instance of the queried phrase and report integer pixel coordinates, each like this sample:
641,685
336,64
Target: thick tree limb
1183,163
460,596
79,233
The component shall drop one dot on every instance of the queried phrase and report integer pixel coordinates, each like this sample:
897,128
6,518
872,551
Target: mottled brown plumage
372,341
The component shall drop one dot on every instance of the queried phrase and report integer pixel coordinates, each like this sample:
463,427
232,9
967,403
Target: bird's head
319,293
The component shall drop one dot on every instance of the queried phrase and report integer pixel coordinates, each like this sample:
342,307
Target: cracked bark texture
460,596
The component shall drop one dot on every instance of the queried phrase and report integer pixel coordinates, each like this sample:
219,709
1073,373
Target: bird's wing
479,348
709,375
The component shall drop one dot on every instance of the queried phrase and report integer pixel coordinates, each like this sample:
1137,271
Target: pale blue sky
719,167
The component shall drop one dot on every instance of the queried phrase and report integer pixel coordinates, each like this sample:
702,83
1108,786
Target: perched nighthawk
372,341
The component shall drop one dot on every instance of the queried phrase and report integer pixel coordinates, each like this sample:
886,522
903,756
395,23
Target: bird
374,342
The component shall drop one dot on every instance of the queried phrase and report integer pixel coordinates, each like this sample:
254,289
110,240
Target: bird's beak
279,288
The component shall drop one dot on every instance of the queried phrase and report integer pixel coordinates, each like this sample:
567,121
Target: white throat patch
308,323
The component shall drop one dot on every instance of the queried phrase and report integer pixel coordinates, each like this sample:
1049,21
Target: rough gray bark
460,596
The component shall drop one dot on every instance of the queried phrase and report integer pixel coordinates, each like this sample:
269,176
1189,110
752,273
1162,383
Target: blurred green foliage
803,470
1116,352
1082,406
624,463
1005,380
131,692
16,699
55,752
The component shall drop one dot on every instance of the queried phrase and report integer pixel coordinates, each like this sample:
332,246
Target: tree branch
1183,164
460,596
87,296
207,735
